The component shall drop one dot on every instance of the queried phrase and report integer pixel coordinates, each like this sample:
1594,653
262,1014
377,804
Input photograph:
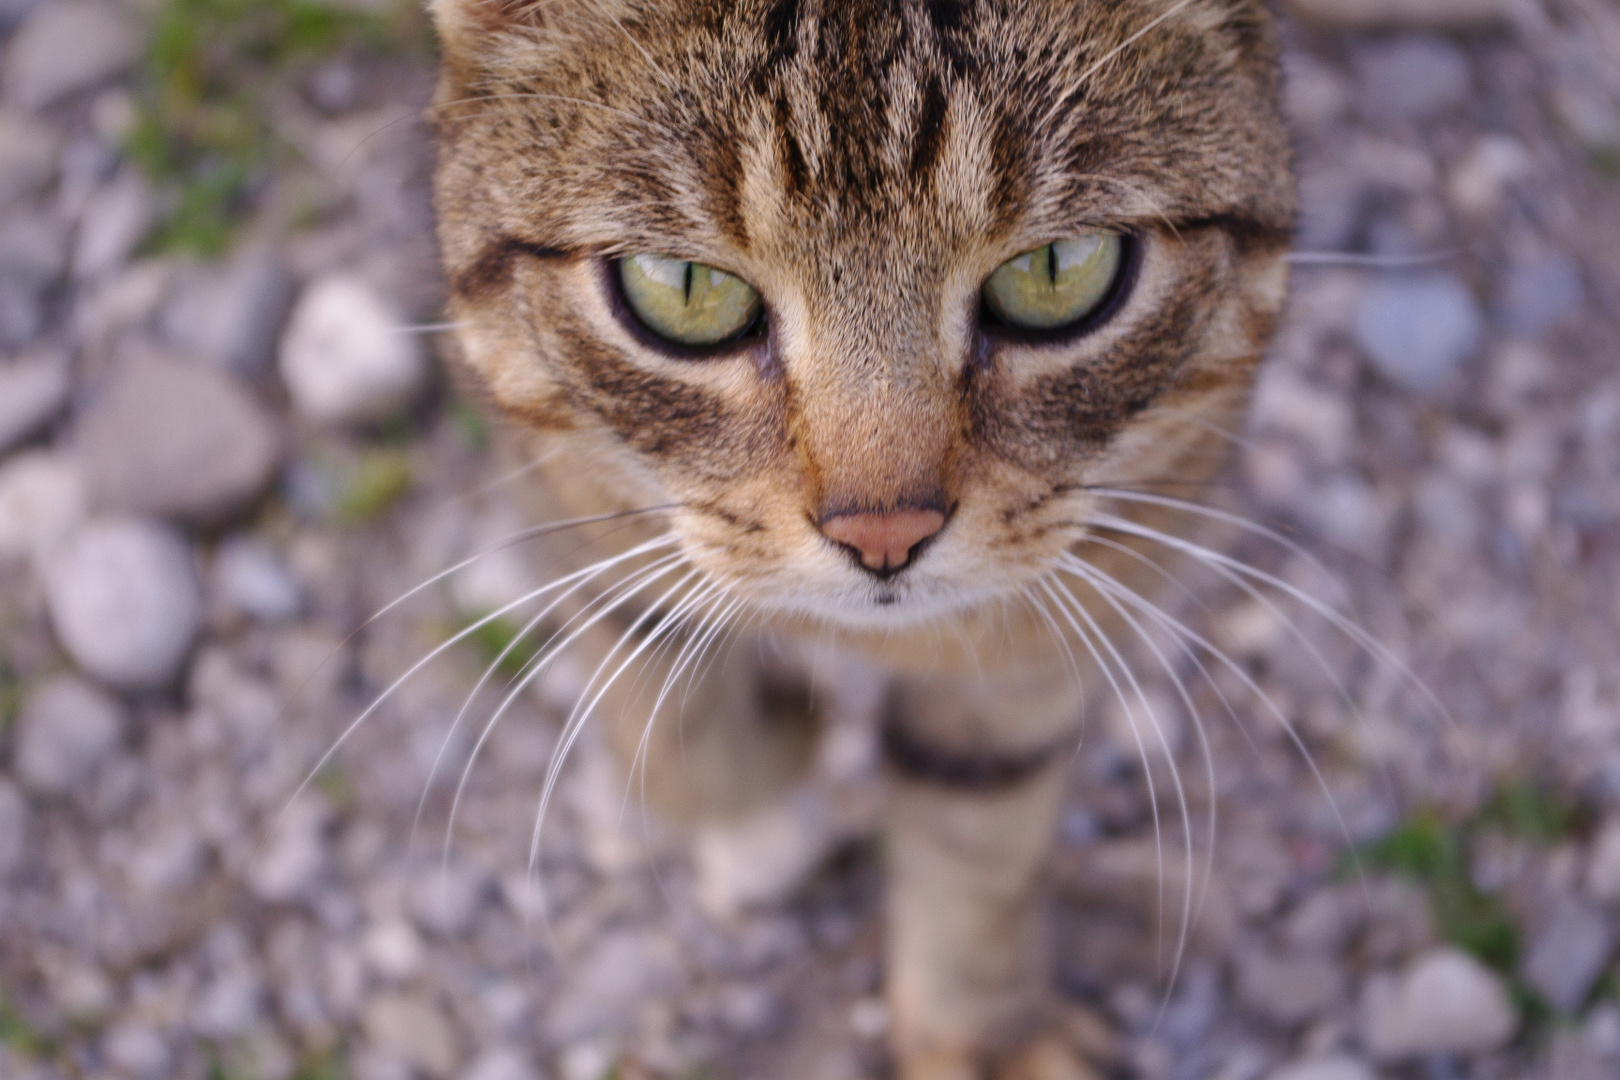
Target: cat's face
863,168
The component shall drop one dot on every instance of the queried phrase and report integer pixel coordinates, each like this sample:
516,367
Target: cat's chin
888,606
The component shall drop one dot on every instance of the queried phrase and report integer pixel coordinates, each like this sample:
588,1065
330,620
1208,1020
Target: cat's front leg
977,782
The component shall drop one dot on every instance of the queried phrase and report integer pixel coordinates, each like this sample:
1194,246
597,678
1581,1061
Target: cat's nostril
884,542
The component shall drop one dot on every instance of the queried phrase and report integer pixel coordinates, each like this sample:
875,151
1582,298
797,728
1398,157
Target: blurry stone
232,315
294,856
28,152
113,114
33,249
43,498
125,301
344,356
1418,329
33,390
1403,14
447,901
393,948
13,827
334,87
501,1063
415,1030
623,968
250,578
67,46
229,1005
1331,205
125,602
1481,177
65,730
1323,922
1603,867
172,438
1590,114
1568,954
1320,418
1444,1002
1336,1067
1288,990
1535,296
115,220
1314,94
1410,77
12,11
762,860
137,1051
167,858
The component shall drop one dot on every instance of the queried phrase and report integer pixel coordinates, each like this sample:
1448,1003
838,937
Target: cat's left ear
462,22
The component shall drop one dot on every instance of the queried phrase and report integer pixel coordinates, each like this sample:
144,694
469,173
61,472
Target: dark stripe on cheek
492,269
930,132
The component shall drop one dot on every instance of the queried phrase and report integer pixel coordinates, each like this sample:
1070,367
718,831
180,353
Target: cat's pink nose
885,542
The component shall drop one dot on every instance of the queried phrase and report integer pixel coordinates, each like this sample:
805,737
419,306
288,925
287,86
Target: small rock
1568,955
762,860
43,498
67,46
1409,78
414,1030
446,902
294,856
1418,331
33,256
229,1005
137,1050
394,949
501,1063
13,828
115,220
232,315
250,578
623,968
1481,177
1326,1068
1535,296
33,391
125,601
1445,1002
66,729
1603,868
28,154
1288,990
1404,14
344,357
171,438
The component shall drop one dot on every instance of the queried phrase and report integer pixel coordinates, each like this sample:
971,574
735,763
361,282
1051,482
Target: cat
872,321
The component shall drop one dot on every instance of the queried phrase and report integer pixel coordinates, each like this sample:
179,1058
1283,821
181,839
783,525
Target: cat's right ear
461,23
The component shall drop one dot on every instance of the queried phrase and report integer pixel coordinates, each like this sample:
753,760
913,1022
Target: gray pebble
137,1050
115,220
232,315
250,578
1409,78
1289,989
294,857
1535,296
447,901
623,968
67,46
1445,1002
1568,954
28,154
1404,14
1418,330
413,1029
171,438
43,498
33,391
65,730
345,357
125,602
501,1063
1334,1067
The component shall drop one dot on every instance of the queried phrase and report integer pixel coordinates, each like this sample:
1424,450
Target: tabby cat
868,317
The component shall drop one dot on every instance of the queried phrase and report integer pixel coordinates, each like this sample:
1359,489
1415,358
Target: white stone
622,969
251,578
137,1050
32,391
65,730
43,498
501,1063
763,859
13,828
393,948
414,1030
67,46
1603,866
28,153
1444,1002
115,220
344,356
125,601
175,439
1568,954
1336,1067
229,1005
294,856
447,901
1289,990
1418,329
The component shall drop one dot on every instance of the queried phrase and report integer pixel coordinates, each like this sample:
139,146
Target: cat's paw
1050,1057
763,859
1079,1046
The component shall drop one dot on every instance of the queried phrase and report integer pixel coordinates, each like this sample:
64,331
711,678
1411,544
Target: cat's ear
461,22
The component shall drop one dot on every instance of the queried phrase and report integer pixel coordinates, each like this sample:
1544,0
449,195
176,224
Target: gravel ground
212,472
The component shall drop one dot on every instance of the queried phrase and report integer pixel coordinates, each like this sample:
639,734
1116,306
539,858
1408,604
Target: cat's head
866,283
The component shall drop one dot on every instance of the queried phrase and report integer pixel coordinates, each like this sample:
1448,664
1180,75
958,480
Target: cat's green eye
1056,285
686,302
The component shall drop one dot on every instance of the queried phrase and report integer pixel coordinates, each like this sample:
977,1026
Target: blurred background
227,439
